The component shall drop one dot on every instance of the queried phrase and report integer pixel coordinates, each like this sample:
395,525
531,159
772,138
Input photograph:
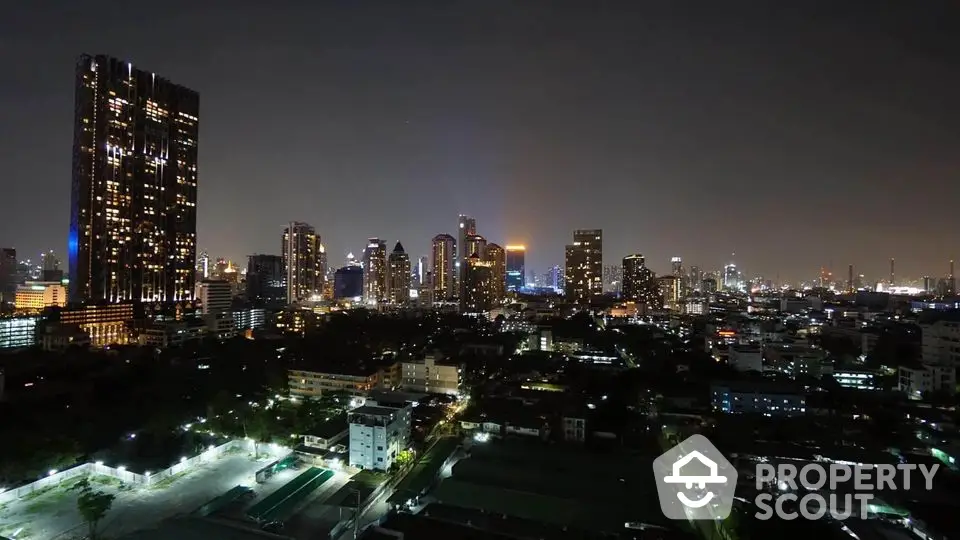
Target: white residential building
215,299
430,376
940,342
378,435
914,381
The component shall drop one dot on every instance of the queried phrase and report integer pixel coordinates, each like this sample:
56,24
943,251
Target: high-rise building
638,281
478,286
669,291
50,267
8,275
731,278
496,256
265,281
695,278
420,272
555,278
216,301
893,275
584,266
203,266
676,265
612,278
444,267
348,282
375,271
302,262
476,245
398,276
850,282
133,219
466,226
516,273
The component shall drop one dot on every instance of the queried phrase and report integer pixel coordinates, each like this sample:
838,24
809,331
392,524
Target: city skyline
391,120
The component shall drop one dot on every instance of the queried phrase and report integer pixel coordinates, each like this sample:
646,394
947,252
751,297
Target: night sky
819,133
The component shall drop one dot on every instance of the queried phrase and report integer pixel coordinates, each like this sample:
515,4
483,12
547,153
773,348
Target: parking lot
52,513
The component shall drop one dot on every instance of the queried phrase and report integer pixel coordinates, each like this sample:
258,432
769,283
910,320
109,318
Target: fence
137,479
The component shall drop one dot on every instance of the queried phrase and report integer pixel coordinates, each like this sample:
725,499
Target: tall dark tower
133,214
893,275
850,285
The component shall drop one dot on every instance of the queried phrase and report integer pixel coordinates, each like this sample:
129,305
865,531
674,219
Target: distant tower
893,275
496,256
584,266
375,271
302,261
398,276
951,281
467,226
444,267
850,285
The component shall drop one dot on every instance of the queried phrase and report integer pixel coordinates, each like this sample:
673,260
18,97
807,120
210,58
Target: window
380,448
380,459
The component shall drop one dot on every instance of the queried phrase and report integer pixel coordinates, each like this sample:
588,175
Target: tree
93,505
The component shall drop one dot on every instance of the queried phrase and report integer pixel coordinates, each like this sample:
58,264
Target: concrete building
431,376
377,435
917,380
215,298
354,380
516,271
106,324
477,286
303,262
856,378
467,226
940,339
758,397
795,359
33,296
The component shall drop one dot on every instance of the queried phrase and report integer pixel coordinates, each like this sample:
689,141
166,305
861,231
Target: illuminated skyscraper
731,278
478,286
398,276
303,262
676,264
516,274
669,291
584,266
497,258
444,267
133,218
476,245
638,281
466,226
50,267
375,271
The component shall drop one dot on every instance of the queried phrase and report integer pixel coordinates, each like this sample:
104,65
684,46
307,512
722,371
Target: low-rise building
795,359
940,338
919,379
758,397
356,380
431,376
377,435
106,324
328,434
856,378
34,296
163,334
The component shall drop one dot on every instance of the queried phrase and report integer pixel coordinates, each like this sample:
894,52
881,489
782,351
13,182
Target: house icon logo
695,481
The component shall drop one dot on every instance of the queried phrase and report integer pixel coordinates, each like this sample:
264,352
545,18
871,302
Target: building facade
8,275
265,281
496,256
307,383
377,435
34,296
398,276
302,262
478,286
18,332
466,226
216,299
431,376
444,259
133,219
348,282
639,283
584,266
375,272
516,270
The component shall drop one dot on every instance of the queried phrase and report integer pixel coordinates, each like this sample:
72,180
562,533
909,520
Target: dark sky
794,135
